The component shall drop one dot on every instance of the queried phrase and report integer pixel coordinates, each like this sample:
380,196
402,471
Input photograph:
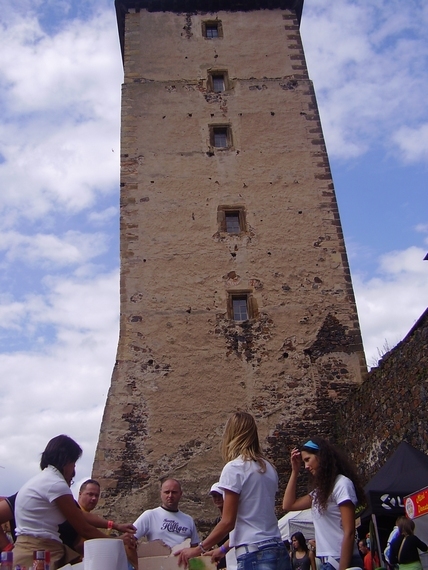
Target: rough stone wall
183,364
390,406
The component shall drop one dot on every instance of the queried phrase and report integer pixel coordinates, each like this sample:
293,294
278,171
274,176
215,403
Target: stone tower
235,286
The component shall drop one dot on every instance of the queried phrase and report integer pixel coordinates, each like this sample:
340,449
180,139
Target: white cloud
60,105
62,387
11,313
412,143
103,216
60,97
367,63
422,228
73,247
390,304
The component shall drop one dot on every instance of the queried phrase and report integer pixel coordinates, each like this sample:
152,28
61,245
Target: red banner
416,504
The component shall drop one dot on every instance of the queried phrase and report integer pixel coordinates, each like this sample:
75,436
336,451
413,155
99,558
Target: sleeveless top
301,563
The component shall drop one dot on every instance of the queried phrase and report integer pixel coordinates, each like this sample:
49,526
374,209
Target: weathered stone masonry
183,362
390,406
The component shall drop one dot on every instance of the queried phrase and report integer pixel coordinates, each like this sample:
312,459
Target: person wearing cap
335,492
167,522
217,495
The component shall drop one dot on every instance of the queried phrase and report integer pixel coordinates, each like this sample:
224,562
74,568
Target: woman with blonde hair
249,482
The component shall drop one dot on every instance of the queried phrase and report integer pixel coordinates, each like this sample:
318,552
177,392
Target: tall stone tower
235,286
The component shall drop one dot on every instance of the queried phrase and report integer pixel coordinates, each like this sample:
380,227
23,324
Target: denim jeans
271,558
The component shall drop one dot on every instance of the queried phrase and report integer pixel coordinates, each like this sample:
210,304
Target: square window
241,306
231,219
218,83
240,310
212,29
232,222
220,136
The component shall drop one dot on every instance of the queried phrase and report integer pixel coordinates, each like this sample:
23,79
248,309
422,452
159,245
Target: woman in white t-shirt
46,501
249,483
335,492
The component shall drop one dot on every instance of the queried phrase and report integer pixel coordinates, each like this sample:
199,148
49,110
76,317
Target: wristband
223,549
109,526
202,548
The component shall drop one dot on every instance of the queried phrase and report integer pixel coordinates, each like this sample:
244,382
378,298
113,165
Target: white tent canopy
295,521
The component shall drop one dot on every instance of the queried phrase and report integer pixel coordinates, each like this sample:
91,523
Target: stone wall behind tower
183,363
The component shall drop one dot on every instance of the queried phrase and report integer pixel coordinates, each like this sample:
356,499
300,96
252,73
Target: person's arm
6,515
312,560
420,544
99,522
290,502
347,514
222,529
76,518
4,541
194,537
218,553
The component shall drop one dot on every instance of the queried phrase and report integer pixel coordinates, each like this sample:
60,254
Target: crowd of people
44,515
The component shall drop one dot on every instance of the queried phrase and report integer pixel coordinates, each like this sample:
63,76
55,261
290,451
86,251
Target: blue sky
60,78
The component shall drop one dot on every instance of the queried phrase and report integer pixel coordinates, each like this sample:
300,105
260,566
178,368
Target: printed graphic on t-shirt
171,525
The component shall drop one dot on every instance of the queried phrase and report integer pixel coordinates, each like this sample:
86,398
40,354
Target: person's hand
129,540
296,459
126,527
216,555
185,555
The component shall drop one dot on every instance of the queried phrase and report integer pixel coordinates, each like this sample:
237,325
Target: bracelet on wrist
223,549
109,526
202,548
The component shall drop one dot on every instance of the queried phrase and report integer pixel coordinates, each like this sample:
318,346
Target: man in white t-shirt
167,522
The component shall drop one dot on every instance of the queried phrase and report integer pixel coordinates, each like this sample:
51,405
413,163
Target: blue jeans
272,558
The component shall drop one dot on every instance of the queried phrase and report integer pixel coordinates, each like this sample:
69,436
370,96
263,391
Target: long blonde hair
241,438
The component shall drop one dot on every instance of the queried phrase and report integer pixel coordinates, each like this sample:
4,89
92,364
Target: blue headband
311,445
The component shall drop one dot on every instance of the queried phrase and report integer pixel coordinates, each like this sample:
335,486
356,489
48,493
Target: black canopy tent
405,472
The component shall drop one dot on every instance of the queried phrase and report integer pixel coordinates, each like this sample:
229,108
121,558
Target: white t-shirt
256,520
328,523
36,513
170,527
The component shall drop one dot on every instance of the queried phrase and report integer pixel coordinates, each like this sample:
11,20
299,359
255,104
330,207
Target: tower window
241,306
231,219
220,136
240,309
232,222
212,29
218,81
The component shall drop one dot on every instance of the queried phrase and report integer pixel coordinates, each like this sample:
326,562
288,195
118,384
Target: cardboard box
156,555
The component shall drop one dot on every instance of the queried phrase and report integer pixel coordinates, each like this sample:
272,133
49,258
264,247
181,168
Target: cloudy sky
60,77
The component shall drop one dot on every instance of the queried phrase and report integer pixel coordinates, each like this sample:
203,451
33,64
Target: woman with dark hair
46,501
302,558
404,548
335,491
249,483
